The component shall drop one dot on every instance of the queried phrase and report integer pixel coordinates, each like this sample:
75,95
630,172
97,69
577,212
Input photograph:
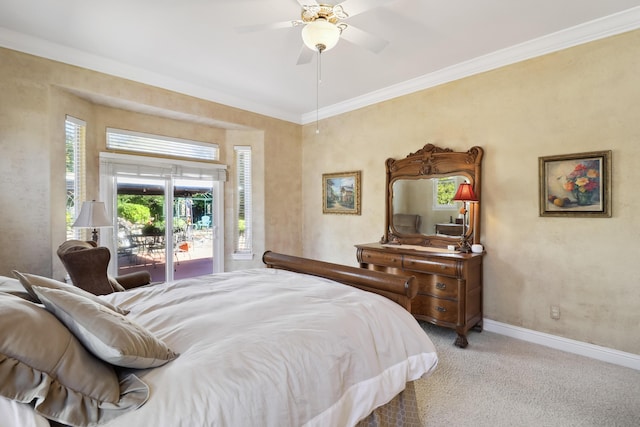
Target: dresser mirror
420,187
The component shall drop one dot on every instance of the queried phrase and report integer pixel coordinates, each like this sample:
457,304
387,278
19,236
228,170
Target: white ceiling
195,46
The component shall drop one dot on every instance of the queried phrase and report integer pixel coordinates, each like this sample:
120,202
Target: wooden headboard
397,288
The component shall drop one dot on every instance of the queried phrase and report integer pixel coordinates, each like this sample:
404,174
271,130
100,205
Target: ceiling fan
324,25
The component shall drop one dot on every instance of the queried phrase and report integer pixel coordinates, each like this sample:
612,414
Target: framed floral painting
576,185
341,193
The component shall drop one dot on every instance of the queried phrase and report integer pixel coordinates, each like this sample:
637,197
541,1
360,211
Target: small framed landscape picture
341,193
576,185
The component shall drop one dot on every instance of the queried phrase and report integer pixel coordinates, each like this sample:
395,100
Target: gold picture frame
576,185
341,193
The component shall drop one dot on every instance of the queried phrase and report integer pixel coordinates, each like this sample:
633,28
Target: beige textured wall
36,95
582,99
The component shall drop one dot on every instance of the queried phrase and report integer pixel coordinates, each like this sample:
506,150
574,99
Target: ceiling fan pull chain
318,80
319,66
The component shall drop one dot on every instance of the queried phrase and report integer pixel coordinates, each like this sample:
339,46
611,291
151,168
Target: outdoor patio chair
87,265
205,222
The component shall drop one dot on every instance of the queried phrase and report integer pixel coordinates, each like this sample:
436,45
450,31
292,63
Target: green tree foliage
153,229
179,224
446,191
155,204
134,213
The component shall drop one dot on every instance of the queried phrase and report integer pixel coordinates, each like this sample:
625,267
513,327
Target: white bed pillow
43,364
29,280
20,414
107,334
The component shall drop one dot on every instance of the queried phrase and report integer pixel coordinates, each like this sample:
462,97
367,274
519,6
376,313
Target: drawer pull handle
441,286
441,309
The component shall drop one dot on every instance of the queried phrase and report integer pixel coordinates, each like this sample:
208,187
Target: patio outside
192,253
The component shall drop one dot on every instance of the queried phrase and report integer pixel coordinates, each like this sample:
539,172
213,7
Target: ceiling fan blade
354,7
264,27
306,55
367,40
304,3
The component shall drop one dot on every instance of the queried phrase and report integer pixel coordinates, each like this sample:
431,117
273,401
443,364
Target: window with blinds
75,131
243,232
124,140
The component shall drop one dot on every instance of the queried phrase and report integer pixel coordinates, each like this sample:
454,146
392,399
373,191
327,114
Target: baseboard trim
628,360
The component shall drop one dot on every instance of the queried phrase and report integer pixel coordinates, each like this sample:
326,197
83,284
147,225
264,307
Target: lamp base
94,235
465,246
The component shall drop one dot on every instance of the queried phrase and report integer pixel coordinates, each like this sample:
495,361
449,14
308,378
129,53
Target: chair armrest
134,280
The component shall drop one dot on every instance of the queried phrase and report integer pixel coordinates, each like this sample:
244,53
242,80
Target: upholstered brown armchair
87,265
406,223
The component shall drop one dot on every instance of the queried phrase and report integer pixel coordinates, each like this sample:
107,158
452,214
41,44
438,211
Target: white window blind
125,140
148,167
243,223
75,133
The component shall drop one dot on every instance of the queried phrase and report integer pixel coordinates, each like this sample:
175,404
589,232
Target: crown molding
584,33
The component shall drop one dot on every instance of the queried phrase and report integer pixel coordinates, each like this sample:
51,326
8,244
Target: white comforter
267,347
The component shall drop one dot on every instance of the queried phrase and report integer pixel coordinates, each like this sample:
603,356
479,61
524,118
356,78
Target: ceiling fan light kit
323,26
320,35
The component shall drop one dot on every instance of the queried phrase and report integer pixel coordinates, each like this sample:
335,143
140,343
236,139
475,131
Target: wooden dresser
449,284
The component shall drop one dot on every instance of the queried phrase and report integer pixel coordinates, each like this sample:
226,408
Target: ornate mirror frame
434,162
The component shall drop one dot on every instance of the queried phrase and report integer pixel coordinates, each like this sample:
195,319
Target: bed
286,345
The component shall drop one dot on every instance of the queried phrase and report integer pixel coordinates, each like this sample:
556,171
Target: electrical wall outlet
555,312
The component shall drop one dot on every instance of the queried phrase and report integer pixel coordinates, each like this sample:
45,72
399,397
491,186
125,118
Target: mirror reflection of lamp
93,215
465,194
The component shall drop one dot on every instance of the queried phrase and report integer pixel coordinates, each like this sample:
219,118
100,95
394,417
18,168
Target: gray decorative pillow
29,280
43,364
107,334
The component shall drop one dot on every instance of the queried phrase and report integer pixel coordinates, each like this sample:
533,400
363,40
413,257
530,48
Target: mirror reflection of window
443,192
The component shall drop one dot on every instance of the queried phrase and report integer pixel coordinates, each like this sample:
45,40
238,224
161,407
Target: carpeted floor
500,381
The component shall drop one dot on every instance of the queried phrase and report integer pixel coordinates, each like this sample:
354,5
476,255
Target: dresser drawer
382,258
440,309
446,267
439,286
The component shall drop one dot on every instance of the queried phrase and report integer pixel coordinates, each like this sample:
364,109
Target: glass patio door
142,226
166,218
194,230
